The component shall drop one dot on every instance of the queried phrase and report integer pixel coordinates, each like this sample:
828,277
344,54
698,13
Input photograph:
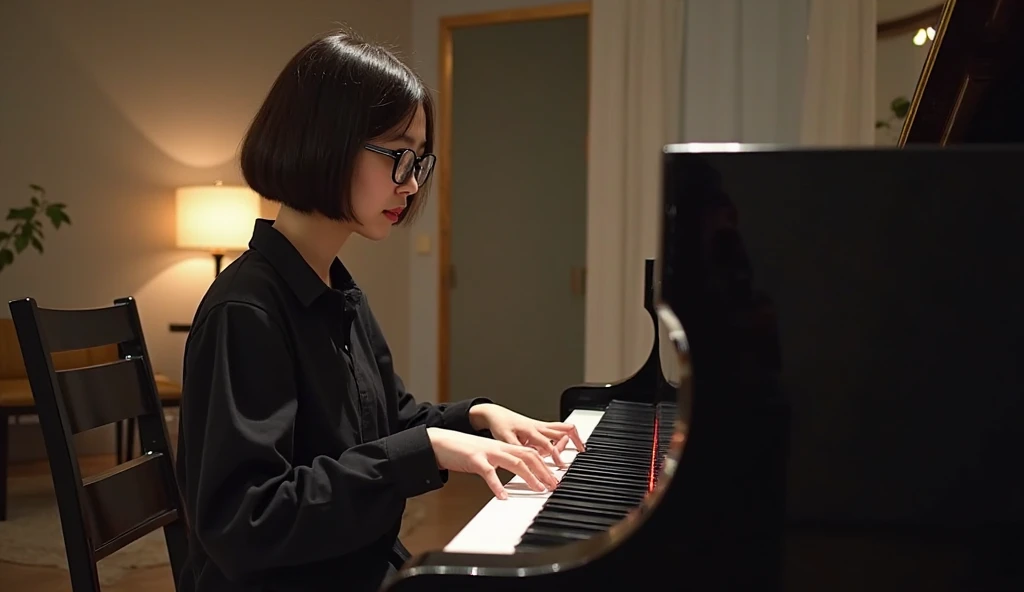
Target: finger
506,436
513,463
536,463
551,450
544,445
491,478
555,458
562,443
574,435
556,430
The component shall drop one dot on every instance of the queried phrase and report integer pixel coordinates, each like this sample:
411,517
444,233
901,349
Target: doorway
513,205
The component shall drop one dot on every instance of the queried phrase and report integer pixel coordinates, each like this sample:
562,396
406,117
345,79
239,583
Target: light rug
31,535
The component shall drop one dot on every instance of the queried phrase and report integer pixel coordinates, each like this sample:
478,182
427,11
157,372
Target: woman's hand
466,453
548,438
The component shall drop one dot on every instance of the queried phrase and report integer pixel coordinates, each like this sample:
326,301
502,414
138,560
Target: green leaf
881,124
21,213
900,107
4,236
6,257
37,244
38,188
35,201
55,212
21,242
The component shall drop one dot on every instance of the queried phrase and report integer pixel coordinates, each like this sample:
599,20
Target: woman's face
376,200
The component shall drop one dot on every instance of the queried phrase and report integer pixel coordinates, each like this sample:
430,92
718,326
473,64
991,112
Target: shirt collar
288,262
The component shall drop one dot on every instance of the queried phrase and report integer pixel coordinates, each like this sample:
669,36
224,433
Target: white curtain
635,104
839,86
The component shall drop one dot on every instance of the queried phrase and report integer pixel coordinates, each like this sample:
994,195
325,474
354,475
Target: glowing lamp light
924,35
215,218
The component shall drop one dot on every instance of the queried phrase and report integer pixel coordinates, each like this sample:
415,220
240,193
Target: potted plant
898,109
27,229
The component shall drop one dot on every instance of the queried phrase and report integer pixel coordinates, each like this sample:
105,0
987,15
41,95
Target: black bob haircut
335,95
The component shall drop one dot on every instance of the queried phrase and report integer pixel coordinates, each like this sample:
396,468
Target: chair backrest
12,365
102,513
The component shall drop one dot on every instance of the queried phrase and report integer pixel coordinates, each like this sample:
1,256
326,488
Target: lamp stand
218,260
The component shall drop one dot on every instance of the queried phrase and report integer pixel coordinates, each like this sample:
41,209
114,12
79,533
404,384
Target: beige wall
111,104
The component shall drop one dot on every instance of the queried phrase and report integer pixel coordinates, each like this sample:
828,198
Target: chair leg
129,449
3,465
118,442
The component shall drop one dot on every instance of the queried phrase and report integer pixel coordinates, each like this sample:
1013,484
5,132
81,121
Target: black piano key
610,479
584,508
632,494
563,534
605,521
574,522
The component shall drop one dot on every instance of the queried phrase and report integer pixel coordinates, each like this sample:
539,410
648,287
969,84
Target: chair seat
16,392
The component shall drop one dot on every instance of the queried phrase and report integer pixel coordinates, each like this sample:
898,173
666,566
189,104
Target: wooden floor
449,510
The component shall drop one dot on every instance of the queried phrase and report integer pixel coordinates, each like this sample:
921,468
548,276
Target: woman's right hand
466,453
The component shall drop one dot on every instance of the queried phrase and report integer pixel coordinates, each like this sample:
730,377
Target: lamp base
218,260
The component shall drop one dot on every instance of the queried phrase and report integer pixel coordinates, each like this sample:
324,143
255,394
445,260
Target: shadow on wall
65,131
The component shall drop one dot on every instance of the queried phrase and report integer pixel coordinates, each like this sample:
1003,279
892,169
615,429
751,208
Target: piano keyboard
597,489
624,455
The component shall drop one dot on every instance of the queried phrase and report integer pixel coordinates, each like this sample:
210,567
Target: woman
298,444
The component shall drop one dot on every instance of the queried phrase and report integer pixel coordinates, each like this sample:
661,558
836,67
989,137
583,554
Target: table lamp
216,218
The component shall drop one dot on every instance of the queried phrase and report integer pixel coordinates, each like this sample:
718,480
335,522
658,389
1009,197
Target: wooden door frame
445,65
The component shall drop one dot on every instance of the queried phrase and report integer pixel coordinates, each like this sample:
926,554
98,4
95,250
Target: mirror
906,30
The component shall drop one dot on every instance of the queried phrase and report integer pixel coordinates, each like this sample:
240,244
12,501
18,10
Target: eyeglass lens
406,164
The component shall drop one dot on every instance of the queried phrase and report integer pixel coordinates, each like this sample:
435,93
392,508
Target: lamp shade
216,218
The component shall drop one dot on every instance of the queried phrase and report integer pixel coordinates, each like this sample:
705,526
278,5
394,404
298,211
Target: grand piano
849,329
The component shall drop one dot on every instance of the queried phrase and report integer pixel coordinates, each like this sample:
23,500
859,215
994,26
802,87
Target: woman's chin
374,233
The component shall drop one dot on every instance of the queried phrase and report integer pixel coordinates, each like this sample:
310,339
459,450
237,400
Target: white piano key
497,528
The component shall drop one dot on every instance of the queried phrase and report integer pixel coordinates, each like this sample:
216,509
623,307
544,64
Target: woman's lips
393,214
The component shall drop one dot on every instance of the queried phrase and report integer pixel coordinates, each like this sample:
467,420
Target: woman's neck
317,238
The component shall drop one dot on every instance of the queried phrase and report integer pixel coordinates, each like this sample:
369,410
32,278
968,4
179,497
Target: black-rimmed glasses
406,162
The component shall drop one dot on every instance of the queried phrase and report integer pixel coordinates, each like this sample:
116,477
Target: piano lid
971,89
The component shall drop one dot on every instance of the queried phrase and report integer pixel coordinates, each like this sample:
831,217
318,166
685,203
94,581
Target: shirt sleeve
450,416
249,505
411,414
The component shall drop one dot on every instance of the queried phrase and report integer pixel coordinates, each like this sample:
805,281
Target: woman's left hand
548,438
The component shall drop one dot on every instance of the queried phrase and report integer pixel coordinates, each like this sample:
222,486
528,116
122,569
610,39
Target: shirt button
345,347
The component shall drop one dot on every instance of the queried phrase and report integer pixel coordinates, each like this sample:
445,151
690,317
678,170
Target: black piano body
852,331
894,279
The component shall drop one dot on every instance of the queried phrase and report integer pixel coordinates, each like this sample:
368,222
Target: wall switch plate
423,244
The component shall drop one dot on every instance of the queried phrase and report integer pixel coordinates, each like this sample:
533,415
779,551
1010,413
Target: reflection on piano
851,412
972,87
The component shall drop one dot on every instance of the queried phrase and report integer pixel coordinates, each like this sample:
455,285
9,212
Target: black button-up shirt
298,444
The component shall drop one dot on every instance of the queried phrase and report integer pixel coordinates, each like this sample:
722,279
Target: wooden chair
102,513
16,397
